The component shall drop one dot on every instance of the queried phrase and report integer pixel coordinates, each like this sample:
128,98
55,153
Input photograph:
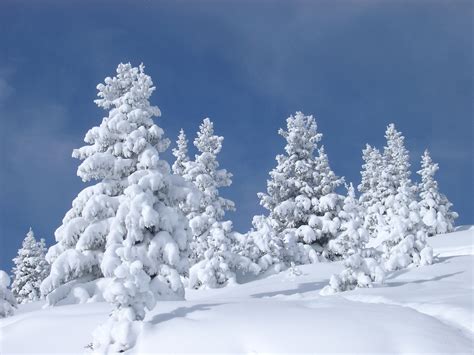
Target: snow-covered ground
419,310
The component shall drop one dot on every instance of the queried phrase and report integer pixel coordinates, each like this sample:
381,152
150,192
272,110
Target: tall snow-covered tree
301,194
147,245
114,150
396,164
181,154
403,240
435,208
212,249
7,300
369,197
204,172
30,269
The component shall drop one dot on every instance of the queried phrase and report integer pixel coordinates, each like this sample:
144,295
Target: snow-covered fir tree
30,269
368,188
147,245
181,154
352,235
435,208
7,300
399,229
205,174
263,245
115,150
301,194
212,249
219,263
361,265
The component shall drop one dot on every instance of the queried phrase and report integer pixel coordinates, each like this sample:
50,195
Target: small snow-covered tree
361,265
30,269
301,197
181,154
218,266
263,245
359,272
435,208
352,235
7,300
147,245
115,150
404,240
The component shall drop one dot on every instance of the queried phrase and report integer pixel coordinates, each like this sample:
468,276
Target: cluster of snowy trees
145,230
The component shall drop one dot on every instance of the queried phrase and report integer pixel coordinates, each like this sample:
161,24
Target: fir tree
435,208
263,245
204,172
147,246
403,240
369,199
7,300
181,154
301,198
361,265
212,249
30,269
116,149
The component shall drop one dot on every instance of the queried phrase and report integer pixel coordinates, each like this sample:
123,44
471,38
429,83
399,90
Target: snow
426,309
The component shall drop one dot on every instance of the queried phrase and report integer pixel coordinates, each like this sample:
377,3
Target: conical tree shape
181,154
116,149
147,246
301,197
30,269
435,208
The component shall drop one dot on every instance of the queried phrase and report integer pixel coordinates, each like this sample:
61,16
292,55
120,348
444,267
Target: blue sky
355,65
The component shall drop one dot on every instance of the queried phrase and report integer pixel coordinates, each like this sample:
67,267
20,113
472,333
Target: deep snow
419,310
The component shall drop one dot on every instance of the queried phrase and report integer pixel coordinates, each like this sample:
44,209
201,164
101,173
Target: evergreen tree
181,154
116,149
147,246
403,240
7,300
30,269
435,208
212,249
264,246
301,198
361,266
204,172
369,198
402,235
352,235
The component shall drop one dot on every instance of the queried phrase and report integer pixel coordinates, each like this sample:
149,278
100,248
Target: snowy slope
420,310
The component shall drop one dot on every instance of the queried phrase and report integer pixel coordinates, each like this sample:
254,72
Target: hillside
419,310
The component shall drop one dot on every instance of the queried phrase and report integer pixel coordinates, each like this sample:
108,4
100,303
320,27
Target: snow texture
419,310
